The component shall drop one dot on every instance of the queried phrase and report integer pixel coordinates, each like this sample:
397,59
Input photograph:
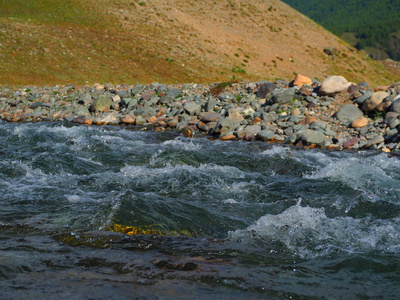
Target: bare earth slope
169,41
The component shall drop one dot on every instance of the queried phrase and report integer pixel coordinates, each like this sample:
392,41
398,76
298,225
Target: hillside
372,25
45,42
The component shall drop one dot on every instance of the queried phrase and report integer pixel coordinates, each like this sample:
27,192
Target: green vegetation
47,11
237,69
367,23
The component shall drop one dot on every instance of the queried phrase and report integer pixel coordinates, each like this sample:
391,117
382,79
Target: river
121,213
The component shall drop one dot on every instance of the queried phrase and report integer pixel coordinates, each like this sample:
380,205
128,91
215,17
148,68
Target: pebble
296,112
360,122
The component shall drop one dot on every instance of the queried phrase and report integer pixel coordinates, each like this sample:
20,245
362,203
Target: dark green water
237,220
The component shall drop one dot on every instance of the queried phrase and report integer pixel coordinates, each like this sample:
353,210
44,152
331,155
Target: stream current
205,219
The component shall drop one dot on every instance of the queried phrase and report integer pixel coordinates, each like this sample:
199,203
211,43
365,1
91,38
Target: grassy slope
45,42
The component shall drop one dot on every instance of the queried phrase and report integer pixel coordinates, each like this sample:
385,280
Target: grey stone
85,98
84,111
140,120
170,95
396,106
265,135
265,89
349,113
291,139
192,108
285,125
288,131
294,119
252,129
317,125
269,117
145,112
360,100
152,101
391,115
210,117
392,132
69,118
376,140
138,89
393,123
225,125
313,137
283,95
211,103
124,93
297,128
101,104
311,99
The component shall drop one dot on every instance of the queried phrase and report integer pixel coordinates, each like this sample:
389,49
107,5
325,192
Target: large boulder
349,113
333,85
371,103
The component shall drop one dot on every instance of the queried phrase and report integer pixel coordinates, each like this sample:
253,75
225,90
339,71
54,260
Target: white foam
27,129
140,171
375,176
186,144
277,150
308,232
230,201
88,160
73,198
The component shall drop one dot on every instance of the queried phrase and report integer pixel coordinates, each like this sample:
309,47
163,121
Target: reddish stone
350,143
152,119
227,137
128,119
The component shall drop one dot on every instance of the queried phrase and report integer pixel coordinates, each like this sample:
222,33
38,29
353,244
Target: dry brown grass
174,41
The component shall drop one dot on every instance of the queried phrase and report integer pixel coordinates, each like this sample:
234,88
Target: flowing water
207,219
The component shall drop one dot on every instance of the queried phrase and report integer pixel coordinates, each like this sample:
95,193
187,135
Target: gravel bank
334,114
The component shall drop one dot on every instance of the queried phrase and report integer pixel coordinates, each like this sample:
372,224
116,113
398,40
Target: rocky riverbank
333,114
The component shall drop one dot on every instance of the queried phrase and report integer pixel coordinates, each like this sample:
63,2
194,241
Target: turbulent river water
207,219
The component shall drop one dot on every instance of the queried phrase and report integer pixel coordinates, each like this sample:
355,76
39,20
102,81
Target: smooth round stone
359,123
333,85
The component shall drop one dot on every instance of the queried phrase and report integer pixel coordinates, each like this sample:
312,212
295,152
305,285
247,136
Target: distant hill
45,42
372,25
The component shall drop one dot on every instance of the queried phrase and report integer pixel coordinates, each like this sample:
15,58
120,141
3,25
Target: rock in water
333,85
